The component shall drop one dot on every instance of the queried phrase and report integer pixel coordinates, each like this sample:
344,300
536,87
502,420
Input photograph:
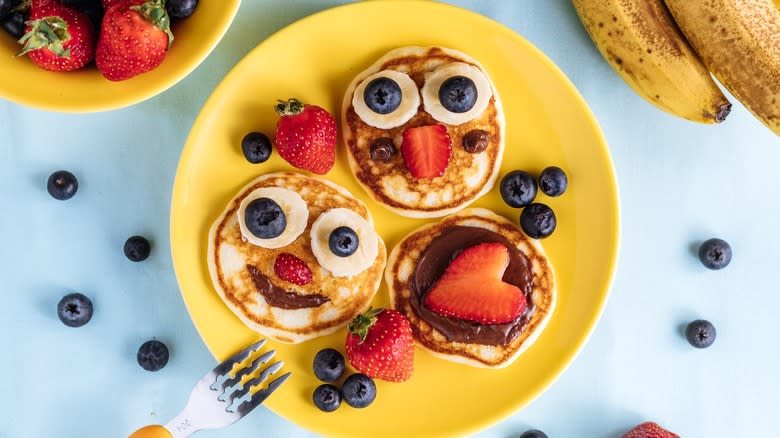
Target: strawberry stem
46,33
363,322
154,12
292,107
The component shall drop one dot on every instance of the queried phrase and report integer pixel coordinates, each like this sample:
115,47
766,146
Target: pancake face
419,260
243,273
467,176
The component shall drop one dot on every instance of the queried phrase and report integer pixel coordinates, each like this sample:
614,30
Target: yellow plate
87,91
548,123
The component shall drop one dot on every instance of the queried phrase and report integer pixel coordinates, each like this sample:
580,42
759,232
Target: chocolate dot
476,141
382,149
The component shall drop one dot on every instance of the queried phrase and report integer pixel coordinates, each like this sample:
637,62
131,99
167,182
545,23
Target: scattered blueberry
328,365
343,241
62,185
181,8
74,310
137,248
14,25
538,221
700,333
458,94
359,390
553,181
534,433
382,149
91,8
715,254
153,355
327,398
382,95
518,188
265,218
256,147
7,5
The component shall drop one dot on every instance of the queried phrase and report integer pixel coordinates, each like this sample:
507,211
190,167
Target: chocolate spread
278,297
430,267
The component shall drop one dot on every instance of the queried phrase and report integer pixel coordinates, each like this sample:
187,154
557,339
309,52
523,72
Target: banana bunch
666,49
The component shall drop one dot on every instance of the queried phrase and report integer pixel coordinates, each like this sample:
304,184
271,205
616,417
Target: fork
219,400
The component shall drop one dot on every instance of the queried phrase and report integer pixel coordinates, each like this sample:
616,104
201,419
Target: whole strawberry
134,38
306,136
58,38
649,430
380,345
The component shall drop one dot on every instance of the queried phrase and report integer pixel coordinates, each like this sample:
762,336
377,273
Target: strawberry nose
426,150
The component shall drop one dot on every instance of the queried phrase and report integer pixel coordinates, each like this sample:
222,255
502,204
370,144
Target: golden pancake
467,176
243,273
481,345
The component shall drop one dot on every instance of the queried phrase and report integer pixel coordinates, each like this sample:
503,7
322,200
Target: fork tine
239,357
264,358
260,396
238,395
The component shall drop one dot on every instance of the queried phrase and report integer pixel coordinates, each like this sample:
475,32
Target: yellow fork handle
152,432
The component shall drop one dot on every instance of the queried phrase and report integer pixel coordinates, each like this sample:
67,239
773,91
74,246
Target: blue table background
680,183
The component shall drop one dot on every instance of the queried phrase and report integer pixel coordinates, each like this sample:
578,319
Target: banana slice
295,210
434,81
410,101
350,265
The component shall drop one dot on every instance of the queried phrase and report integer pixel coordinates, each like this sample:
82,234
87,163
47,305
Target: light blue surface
680,183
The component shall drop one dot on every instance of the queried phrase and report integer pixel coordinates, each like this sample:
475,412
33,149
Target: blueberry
153,355
382,95
256,147
553,181
327,398
700,333
458,94
137,248
74,310
534,433
62,185
7,5
181,8
14,25
328,365
359,390
343,241
715,254
265,218
91,8
518,188
538,221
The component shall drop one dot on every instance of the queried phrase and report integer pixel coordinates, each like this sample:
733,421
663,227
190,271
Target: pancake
480,345
467,176
292,313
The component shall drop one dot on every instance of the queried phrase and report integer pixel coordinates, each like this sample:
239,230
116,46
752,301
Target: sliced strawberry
426,150
472,288
649,430
292,269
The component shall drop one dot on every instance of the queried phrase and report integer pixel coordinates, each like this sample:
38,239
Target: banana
410,101
642,43
295,211
368,242
739,41
436,78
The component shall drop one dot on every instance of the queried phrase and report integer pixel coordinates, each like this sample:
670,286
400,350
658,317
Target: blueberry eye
458,94
383,95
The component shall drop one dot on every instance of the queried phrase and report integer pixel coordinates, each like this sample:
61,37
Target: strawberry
134,38
426,150
380,345
108,3
58,38
472,288
306,136
649,430
292,269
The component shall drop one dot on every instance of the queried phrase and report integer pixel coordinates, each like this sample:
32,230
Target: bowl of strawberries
98,55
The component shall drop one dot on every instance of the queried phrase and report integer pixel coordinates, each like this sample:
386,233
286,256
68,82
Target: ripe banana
410,101
295,211
739,41
360,260
642,43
